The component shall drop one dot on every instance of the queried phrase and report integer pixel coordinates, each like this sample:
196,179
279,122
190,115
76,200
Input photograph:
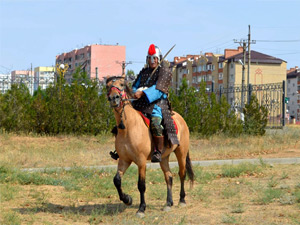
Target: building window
220,76
289,81
231,77
212,67
194,69
208,67
220,65
199,78
231,65
199,68
204,68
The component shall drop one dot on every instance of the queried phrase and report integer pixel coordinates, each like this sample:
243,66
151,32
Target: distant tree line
82,108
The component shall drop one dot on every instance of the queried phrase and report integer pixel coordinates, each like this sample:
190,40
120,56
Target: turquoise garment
152,95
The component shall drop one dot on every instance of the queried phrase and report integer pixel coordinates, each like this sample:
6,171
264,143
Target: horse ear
124,75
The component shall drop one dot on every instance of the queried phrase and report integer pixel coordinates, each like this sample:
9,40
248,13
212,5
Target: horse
133,143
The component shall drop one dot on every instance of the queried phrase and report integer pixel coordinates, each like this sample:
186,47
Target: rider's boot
159,145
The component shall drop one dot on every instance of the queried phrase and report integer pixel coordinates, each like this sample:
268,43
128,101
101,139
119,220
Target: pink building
97,60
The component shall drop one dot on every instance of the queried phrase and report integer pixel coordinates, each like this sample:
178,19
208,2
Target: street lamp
243,82
61,69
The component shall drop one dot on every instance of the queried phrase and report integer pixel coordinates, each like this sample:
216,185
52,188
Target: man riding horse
151,91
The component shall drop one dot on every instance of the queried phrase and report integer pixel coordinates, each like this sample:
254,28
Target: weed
229,219
199,193
284,175
262,163
8,192
229,192
238,170
11,218
203,177
97,216
272,182
297,195
268,196
238,208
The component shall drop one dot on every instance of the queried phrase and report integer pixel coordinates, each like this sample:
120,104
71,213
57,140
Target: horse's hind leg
122,167
142,189
181,158
164,164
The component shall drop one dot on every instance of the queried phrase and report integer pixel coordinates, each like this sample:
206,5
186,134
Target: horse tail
189,169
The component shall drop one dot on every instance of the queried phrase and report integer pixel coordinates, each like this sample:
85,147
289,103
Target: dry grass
251,197
243,194
35,151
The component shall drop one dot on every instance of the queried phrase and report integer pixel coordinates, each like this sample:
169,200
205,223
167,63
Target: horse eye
122,85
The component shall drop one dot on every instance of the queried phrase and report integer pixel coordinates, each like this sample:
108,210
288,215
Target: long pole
243,74
249,62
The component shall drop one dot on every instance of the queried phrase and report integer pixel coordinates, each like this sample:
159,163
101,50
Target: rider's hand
138,94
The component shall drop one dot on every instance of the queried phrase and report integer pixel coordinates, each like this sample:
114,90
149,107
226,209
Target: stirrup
156,157
114,155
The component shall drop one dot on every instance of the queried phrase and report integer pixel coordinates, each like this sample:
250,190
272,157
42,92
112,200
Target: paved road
175,164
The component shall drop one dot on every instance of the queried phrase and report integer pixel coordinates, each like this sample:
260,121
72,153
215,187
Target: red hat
154,51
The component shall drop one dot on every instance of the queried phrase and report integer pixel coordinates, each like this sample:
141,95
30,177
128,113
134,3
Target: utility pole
242,42
124,64
31,81
249,60
246,43
96,73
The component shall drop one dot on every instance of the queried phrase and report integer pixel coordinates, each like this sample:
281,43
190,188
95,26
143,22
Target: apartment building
5,82
293,93
98,61
23,77
225,71
43,77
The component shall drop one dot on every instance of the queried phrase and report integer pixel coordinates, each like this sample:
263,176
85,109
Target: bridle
121,95
121,91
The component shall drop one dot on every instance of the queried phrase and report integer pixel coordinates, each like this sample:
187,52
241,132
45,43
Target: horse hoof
128,200
167,208
182,204
140,214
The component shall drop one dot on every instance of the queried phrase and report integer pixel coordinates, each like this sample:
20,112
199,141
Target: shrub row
79,108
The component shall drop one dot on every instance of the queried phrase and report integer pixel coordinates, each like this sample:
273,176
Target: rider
151,91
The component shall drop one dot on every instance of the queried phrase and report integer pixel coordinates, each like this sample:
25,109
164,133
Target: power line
278,40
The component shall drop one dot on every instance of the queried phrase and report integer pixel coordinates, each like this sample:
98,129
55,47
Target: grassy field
36,151
241,194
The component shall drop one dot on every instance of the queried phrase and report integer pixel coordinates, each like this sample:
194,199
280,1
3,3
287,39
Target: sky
35,31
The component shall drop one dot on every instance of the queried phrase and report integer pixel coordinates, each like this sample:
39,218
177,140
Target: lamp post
61,69
243,82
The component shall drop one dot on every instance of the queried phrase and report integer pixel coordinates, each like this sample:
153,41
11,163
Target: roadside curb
175,164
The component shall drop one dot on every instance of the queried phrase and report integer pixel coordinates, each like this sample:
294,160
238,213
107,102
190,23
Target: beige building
224,71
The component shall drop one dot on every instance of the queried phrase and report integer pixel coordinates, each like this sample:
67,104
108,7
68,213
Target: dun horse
134,144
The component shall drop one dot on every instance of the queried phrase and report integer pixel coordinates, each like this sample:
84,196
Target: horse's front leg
164,164
142,189
122,167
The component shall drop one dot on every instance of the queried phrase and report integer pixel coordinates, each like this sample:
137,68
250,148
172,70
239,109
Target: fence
270,96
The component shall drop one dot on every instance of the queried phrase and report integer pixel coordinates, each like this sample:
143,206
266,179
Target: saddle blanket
147,121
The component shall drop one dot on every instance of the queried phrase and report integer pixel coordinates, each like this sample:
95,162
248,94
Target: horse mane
128,91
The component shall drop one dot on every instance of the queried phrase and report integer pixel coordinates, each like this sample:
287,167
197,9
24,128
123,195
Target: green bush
82,108
256,117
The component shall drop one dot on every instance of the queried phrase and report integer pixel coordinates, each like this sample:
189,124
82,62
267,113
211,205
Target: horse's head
115,90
